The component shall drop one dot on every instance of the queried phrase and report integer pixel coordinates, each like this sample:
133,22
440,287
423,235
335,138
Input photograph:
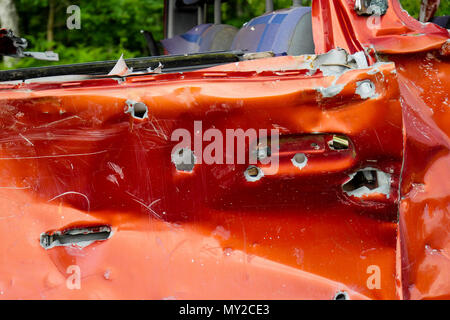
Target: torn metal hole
183,159
365,89
137,110
299,160
315,146
253,173
79,237
368,181
338,143
365,178
371,7
341,295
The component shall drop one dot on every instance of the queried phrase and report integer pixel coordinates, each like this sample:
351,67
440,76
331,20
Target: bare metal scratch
148,207
15,188
73,192
159,131
56,156
379,141
58,121
27,140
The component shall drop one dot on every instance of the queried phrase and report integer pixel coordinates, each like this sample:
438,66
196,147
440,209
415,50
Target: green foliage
444,8
112,27
413,7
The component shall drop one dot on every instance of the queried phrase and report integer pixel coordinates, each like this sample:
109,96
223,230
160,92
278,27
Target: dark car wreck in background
358,207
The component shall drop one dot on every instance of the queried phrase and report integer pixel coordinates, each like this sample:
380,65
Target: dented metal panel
89,139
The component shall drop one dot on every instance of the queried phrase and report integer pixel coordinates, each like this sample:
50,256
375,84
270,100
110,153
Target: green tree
112,27
108,29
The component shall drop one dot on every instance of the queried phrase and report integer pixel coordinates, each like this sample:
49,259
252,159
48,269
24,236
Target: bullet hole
138,110
253,173
299,160
183,159
341,295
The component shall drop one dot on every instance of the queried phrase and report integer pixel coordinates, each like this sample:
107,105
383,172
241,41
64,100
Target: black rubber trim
170,64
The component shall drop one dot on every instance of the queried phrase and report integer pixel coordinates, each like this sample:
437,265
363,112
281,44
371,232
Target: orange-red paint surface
420,52
71,157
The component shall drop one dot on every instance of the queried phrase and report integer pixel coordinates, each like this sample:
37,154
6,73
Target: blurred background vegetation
112,27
